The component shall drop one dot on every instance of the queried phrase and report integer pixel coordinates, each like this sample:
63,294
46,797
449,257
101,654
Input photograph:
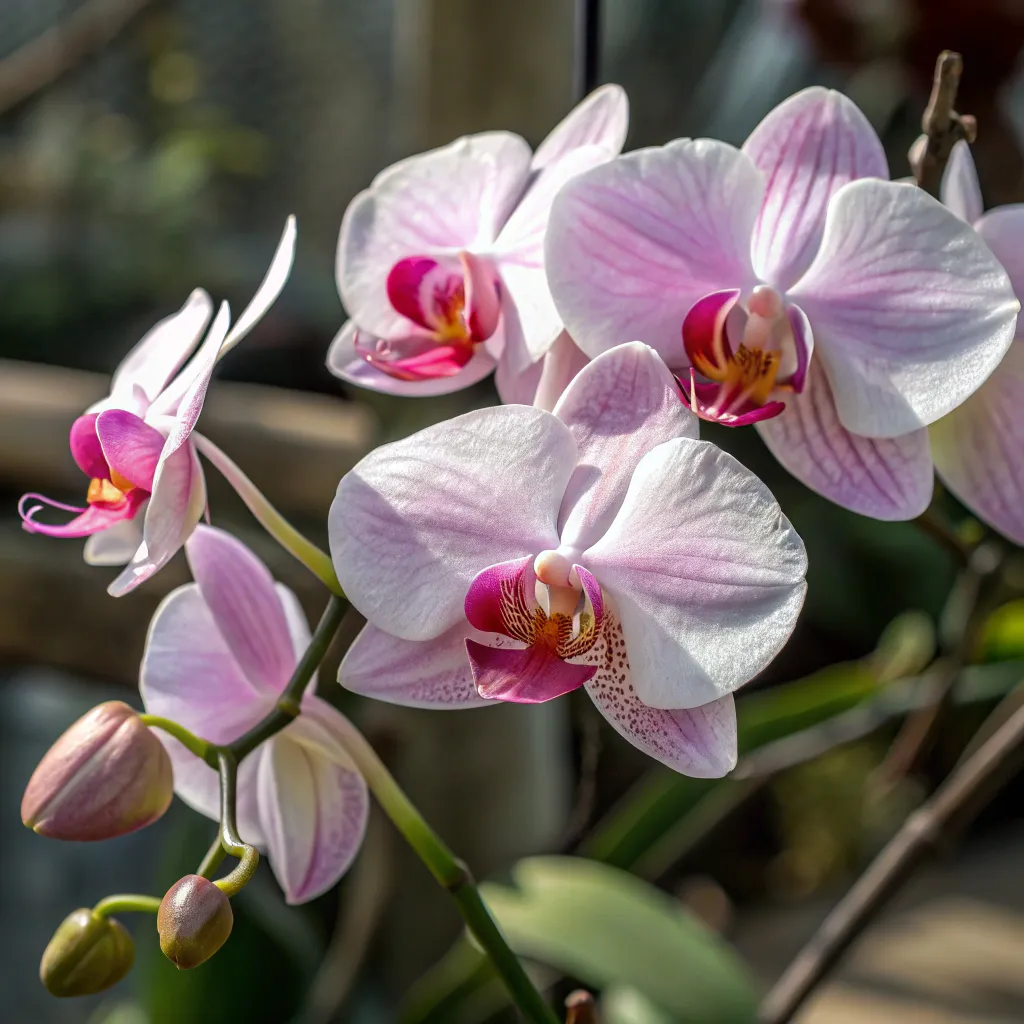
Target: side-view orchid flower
791,287
146,486
515,554
219,653
979,447
440,261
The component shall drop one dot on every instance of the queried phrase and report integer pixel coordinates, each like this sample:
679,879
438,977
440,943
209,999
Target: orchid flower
441,260
512,554
792,288
979,447
218,655
146,487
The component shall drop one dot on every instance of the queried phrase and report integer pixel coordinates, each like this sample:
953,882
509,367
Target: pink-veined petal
115,545
979,448
557,371
885,478
633,244
245,605
295,617
531,675
416,520
911,311
443,201
961,190
1003,232
86,449
130,446
415,673
706,572
163,350
700,742
344,360
808,147
618,408
600,119
313,814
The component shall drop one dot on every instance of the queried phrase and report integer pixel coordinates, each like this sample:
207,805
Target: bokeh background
151,146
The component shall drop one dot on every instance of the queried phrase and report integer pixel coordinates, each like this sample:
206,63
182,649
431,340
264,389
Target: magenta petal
484,598
704,336
483,297
85,447
405,287
417,358
593,591
529,676
131,446
803,340
92,519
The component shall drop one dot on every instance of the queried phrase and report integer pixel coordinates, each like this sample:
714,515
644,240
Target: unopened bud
194,921
106,776
87,954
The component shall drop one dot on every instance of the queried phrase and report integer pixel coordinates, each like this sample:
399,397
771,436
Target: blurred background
151,146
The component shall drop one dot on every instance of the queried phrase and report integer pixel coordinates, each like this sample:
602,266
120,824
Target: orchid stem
316,561
213,859
203,749
248,857
126,903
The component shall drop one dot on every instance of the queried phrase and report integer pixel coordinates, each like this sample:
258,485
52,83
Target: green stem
214,856
126,903
452,874
203,749
290,701
316,561
935,525
248,857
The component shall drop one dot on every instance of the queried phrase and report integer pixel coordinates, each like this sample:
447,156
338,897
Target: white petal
961,191
116,545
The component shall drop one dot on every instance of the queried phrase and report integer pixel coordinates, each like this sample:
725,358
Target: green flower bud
194,921
106,776
87,954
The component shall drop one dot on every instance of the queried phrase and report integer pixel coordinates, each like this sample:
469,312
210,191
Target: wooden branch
952,806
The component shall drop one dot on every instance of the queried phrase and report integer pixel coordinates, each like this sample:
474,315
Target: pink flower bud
194,921
106,776
87,954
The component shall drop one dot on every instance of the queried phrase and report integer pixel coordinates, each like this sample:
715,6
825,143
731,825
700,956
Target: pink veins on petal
455,307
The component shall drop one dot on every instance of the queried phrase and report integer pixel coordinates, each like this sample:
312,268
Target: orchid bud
87,954
106,776
194,921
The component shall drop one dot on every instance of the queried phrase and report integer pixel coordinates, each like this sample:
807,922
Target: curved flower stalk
515,554
792,288
219,654
146,487
441,260
979,447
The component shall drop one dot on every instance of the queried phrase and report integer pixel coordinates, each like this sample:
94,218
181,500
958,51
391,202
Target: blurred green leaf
625,1005
1003,634
607,927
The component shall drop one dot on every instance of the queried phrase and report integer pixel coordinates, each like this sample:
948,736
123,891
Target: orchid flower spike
219,654
515,554
792,288
441,260
146,486
979,447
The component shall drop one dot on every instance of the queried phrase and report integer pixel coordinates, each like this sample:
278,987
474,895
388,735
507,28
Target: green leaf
625,1005
608,928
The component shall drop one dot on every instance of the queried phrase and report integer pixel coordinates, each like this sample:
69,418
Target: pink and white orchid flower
218,655
793,288
979,447
514,554
441,260
136,445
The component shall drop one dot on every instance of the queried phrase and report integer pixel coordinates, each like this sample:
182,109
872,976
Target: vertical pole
587,47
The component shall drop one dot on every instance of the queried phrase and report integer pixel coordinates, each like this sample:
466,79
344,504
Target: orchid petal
524,676
115,545
240,593
700,742
1003,232
447,200
490,590
979,448
808,147
619,407
130,446
911,311
558,369
295,617
345,361
314,816
706,571
86,449
91,519
633,244
165,347
600,119
416,520
960,189
414,673
885,478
